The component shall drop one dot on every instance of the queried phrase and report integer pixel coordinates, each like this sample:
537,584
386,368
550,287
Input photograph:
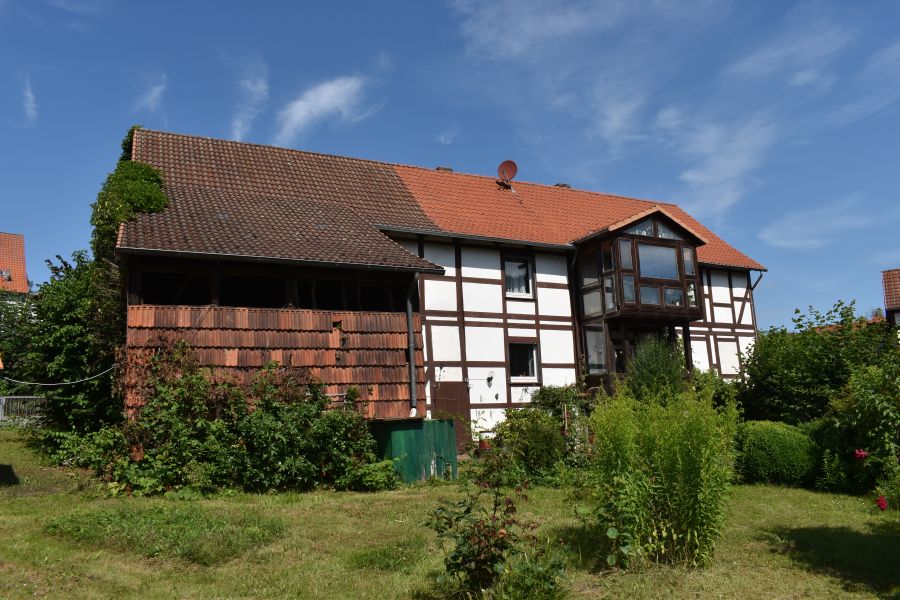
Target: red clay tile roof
12,263
394,196
214,221
891,280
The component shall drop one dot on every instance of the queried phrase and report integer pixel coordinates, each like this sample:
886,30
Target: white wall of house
729,328
468,321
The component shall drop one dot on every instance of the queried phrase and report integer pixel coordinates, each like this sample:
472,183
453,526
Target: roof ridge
404,165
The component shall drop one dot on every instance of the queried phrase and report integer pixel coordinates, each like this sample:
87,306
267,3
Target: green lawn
62,538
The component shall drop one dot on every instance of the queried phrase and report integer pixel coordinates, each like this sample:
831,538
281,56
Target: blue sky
776,125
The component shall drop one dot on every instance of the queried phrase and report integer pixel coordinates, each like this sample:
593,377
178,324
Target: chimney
563,185
445,169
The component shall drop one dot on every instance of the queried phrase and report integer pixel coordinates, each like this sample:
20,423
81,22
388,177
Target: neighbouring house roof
891,279
13,277
390,197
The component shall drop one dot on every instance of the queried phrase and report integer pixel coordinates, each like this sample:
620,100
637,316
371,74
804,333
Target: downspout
411,344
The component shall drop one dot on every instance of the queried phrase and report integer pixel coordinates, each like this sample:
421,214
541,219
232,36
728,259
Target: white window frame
534,360
529,266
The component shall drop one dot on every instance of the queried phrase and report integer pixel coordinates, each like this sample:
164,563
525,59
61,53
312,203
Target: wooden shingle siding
338,348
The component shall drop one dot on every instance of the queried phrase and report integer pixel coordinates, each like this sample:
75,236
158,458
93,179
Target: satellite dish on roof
507,170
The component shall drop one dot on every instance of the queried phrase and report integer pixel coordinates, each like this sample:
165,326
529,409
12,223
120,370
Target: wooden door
451,401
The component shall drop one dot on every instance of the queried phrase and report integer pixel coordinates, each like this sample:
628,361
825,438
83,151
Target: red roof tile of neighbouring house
891,279
396,197
12,263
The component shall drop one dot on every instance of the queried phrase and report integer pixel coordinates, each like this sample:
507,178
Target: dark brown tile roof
13,277
215,221
393,196
891,279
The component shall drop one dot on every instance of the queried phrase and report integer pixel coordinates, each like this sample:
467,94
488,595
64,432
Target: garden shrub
657,483
488,550
533,439
792,375
656,371
202,432
860,436
771,452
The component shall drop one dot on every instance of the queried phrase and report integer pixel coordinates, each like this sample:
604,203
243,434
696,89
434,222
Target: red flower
861,454
881,503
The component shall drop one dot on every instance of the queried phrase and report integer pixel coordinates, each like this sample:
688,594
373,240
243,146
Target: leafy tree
791,376
63,344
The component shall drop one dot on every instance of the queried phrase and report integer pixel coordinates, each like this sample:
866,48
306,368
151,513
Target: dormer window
644,228
654,228
657,262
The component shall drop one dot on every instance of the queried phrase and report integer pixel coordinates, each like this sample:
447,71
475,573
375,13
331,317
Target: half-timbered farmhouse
430,290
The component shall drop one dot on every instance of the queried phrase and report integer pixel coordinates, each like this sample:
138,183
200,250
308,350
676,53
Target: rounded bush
534,438
773,452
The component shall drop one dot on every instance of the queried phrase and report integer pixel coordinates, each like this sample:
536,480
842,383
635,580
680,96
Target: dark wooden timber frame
621,321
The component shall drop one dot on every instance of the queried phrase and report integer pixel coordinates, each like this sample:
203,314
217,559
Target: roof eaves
472,237
428,267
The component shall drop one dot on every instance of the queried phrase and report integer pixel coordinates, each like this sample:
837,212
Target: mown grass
778,543
184,530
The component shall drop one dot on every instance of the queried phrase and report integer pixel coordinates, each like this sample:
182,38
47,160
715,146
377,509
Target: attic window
644,228
5,275
665,233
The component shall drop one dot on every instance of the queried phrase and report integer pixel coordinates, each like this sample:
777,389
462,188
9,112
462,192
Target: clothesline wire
59,384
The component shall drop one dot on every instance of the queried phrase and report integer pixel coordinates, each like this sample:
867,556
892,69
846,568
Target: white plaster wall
728,358
745,343
550,268
521,393
440,295
747,317
485,343
557,346
485,419
518,307
482,297
445,343
554,376
442,374
442,255
739,283
720,290
721,314
554,302
480,262
480,392
700,355
525,333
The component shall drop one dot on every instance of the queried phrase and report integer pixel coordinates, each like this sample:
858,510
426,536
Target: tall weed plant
657,484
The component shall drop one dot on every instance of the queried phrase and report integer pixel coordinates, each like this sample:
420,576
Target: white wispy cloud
29,102
878,86
80,7
254,92
341,97
801,52
150,99
448,136
813,228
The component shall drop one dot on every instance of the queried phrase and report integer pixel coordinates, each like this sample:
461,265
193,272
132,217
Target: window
649,294
657,261
518,277
595,349
607,258
628,288
593,302
644,228
665,233
609,293
674,297
522,362
691,294
590,275
687,255
625,254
